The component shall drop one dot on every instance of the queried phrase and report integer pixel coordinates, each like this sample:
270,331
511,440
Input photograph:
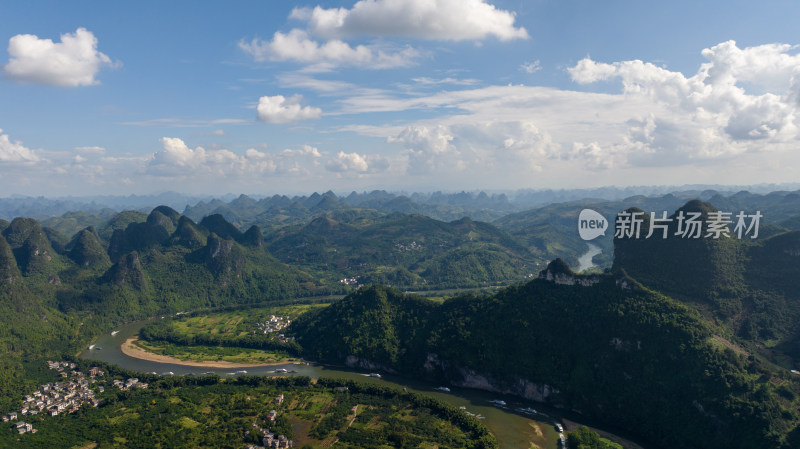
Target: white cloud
297,46
176,159
348,162
75,61
740,100
512,144
16,152
428,148
305,150
279,109
531,67
449,20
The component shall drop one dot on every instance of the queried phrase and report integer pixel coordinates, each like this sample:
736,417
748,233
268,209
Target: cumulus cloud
479,145
15,152
177,160
433,140
737,98
305,150
297,46
279,109
75,61
428,148
348,162
515,144
740,100
449,20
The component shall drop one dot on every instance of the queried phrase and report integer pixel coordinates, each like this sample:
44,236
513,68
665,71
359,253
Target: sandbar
130,349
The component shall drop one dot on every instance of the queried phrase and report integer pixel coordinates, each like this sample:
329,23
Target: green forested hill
57,292
611,349
746,285
408,251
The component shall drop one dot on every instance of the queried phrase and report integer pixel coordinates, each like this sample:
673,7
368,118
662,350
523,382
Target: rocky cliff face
9,272
127,271
362,363
559,272
469,378
222,256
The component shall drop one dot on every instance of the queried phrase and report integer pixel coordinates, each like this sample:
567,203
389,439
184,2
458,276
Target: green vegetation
199,353
683,342
748,287
598,349
187,412
585,438
405,251
233,330
55,292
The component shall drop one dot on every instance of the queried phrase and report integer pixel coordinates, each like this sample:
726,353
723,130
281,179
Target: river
512,430
585,261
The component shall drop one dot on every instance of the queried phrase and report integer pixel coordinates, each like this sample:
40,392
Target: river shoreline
130,349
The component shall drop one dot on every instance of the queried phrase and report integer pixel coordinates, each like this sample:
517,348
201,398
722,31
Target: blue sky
267,97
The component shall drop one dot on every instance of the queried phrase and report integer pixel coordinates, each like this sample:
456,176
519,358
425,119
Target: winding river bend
513,431
585,261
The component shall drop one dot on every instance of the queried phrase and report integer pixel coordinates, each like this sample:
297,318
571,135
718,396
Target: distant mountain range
495,202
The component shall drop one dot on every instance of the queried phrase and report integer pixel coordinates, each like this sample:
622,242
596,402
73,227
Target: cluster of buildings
274,324
270,440
57,397
133,382
410,247
349,281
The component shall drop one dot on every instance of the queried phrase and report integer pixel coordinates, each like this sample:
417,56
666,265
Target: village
54,398
269,439
66,396
275,324
78,388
